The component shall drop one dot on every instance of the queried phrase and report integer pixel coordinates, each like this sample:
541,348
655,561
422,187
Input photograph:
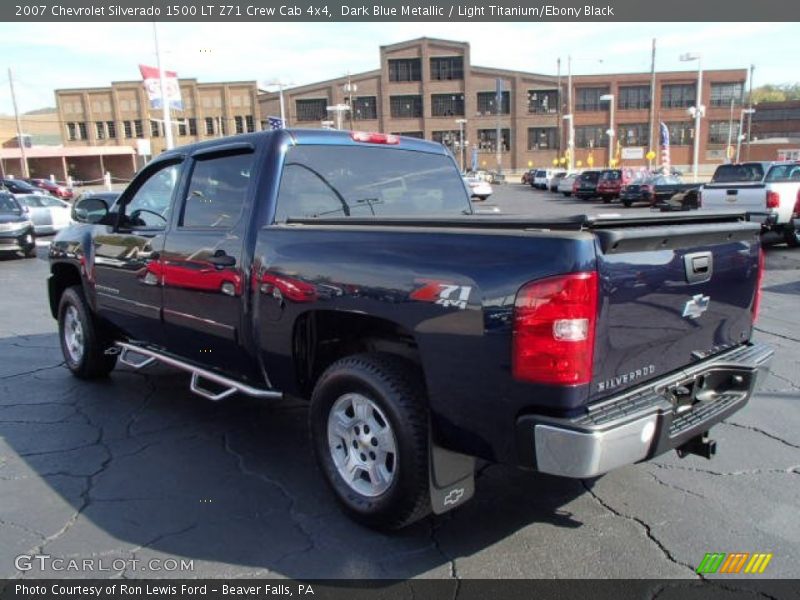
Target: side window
217,191
150,206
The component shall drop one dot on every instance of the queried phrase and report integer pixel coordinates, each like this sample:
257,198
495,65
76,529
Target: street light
610,99
461,123
568,116
281,85
740,137
570,142
350,88
699,109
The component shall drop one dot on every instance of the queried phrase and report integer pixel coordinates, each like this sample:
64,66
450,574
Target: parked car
59,191
527,176
16,229
585,186
566,183
554,179
610,184
48,214
478,188
654,189
18,186
540,178
769,192
345,282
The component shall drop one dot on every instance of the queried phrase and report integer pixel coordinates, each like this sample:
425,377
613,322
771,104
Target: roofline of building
353,77
398,45
140,82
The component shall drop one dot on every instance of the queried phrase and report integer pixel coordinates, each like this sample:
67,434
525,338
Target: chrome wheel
73,334
362,444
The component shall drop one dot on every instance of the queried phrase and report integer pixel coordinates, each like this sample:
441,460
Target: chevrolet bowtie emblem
696,306
454,496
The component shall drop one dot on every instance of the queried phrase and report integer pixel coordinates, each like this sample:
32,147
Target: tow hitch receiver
700,445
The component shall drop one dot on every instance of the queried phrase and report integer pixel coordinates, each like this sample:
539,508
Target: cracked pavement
138,467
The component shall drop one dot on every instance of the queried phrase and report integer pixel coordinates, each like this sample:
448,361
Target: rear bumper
642,423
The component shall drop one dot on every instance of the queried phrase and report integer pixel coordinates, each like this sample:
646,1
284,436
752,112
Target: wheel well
63,276
323,337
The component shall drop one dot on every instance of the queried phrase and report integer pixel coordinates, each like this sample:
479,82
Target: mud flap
452,478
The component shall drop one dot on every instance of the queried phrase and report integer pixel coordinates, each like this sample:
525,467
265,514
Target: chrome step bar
198,374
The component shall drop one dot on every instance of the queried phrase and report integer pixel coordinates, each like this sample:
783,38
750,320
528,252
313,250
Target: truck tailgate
739,196
670,295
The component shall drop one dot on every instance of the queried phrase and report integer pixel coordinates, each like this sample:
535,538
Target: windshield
9,205
364,181
611,176
784,173
748,172
30,201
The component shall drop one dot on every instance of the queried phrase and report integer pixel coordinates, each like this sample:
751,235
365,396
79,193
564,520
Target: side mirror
90,210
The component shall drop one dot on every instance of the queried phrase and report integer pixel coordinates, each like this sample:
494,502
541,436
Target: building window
487,140
209,125
447,137
718,132
315,109
250,123
72,131
542,101
405,107
590,136
405,69
633,134
155,130
238,124
192,126
100,130
445,68
447,105
82,131
127,128
588,98
411,134
678,95
542,138
111,127
137,127
723,93
182,127
680,133
487,103
634,97
365,107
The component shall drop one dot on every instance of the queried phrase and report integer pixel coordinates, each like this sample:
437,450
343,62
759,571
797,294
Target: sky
48,56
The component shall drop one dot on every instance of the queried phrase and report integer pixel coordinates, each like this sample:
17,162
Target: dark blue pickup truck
348,268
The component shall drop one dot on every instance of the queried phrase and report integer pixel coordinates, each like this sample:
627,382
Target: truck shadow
151,470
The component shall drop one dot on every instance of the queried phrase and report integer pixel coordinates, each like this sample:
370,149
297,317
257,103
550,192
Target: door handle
222,260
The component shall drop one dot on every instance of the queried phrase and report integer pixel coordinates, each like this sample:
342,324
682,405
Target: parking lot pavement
137,468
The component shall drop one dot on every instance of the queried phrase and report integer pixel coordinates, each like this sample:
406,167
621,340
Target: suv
585,186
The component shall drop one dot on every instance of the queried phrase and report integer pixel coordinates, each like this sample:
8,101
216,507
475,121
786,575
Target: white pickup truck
768,191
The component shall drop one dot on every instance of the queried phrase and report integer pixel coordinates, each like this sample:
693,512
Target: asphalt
136,468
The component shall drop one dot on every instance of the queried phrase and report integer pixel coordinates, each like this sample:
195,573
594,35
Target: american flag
664,147
274,123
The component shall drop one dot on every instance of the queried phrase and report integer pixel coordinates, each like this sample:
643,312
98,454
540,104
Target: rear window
784,173
590,177
748,172
541,173
611,176
342,181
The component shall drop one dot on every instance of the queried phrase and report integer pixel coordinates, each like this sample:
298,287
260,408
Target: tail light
759,279
796,209
554,323
575,186
773,199
375,138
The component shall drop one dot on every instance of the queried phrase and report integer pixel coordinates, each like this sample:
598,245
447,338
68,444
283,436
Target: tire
566,194
627,203
390,397
31,252
82,342
792,235
606,199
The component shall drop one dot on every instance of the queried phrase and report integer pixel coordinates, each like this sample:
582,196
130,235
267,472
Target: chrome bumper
646,421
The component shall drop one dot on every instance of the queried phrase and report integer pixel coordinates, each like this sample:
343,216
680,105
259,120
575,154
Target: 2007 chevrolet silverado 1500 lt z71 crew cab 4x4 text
349,268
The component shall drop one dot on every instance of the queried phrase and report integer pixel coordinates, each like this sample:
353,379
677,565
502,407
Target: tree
776,92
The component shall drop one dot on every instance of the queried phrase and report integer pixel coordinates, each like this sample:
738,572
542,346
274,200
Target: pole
740,136
164,100
651,134
283,107
498,138
23,157
730,134
559,104
571,141
612,133
698,104
750,109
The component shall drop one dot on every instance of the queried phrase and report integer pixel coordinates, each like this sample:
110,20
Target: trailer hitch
700,445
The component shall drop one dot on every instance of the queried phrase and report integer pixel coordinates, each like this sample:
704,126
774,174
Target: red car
610,184
59,191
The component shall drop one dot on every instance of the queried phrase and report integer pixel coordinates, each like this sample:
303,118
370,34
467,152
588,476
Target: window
542,101
315,109
209,125
487,103
82,131
487,139
100,130
182,127
632,134
137,127
405,69
365,107
111,127
357,181
250,123
192,126
681,133
447,105
155,129
238,124
127,128
72,131
678,95
634,97
412,134
542,138
448,137
588,99
743,172
445,68
150,205
405,107
590,136
718,132
217,191
723,93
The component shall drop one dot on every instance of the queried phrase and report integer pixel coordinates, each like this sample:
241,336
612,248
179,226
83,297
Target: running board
199,375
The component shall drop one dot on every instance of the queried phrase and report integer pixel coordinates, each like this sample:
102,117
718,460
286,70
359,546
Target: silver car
48,213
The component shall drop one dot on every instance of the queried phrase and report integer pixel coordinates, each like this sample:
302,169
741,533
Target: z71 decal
442,293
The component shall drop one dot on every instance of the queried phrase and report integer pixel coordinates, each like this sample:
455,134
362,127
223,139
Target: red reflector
759,279
375,138
554,322
773,199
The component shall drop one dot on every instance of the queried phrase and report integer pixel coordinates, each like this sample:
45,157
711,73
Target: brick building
775,132
424,86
